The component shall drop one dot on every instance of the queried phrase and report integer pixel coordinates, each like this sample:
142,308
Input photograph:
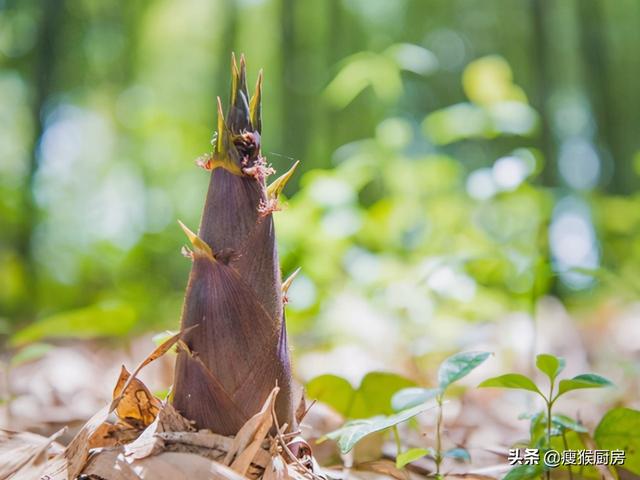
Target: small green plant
389,400
368,407
545,425
451,370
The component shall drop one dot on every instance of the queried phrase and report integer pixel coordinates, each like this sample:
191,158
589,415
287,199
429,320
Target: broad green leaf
587,380
575,441
30,353
550,365
459,454
412,396
373,396
354,431
411,455
559,424
458,366
568,423
332,390
525,472
511,380
619,429
102,320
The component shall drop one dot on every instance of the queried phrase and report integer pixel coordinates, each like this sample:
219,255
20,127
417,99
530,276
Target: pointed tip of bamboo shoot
287,283
221,138
255,105
275,189
235,77
199,245
242,84
238,116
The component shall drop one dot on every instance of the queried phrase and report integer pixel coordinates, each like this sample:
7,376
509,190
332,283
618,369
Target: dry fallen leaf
150,439
19,451
250,437
111,465
77,451
113,435
385,467
159,351
182,466
137,406
149,443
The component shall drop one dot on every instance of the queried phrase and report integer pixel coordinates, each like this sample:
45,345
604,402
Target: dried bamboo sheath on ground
238,352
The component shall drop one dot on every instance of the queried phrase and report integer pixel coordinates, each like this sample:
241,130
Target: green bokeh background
459,159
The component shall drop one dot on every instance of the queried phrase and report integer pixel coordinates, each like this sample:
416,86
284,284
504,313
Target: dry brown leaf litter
138,436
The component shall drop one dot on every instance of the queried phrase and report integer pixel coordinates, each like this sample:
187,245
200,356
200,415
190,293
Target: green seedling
451,370
546,425
368,406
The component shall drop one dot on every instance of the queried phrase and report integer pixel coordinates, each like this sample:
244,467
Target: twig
285,447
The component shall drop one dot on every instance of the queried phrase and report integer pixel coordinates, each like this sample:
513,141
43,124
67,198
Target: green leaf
374,394
162,394
538,431
524,472
459,454
411,455
412,396
574,441
458,366
332,390
550,365
619,429
371,398
101,320
559,424
511,380
567,423
587,380
354,431
30,353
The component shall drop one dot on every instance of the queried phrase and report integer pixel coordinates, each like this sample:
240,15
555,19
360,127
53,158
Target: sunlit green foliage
384,400
549,430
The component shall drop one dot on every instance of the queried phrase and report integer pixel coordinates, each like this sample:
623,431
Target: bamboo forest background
462,163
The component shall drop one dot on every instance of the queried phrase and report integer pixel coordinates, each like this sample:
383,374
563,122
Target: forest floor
74,380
